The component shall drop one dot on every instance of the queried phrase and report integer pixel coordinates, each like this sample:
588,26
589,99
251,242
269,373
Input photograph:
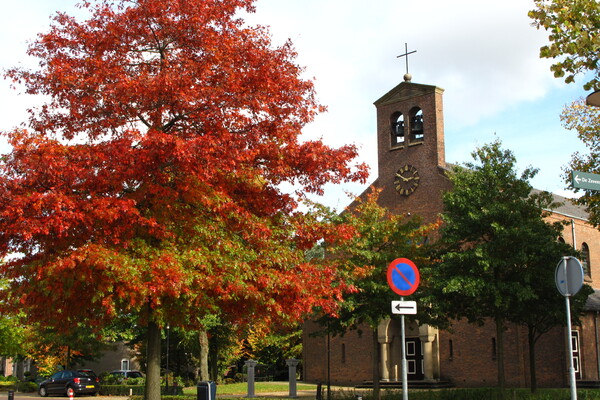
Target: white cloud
484,54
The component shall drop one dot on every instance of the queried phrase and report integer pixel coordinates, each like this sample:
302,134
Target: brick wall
465,354
350,356
473,361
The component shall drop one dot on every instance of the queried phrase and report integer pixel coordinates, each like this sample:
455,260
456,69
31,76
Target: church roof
564,205
593,301
567,207
406,90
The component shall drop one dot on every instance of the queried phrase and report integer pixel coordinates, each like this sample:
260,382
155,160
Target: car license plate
89,387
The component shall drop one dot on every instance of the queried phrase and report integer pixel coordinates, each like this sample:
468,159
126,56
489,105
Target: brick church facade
412,177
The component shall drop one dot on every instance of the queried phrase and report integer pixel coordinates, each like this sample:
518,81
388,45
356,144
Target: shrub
134,381
163,397
110,379
475,394
8,385
27,387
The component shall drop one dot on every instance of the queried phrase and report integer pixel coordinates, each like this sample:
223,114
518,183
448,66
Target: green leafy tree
274,347
585,120
497,251
545,309
370,237
11,332
574,35
11,336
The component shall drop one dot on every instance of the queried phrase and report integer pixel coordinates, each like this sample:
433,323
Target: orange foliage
152,175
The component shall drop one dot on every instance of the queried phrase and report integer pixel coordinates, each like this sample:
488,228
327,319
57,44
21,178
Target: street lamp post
167,369
593,99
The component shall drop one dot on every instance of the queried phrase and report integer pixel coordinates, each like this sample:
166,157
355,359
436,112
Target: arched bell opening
417,133
397,129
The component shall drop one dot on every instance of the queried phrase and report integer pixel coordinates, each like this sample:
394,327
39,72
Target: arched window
585,260
397,129
416,125
125,364
561,239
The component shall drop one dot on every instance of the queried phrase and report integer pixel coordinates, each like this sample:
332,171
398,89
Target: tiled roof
593,301
567,207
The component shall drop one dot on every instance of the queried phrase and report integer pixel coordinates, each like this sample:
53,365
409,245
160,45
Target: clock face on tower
407,180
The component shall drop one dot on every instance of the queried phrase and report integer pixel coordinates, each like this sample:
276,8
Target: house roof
567,207
406,90
593,301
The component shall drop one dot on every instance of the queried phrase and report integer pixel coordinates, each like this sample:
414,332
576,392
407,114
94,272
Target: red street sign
403,276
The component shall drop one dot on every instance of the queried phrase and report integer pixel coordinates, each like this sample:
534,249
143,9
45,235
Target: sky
485,55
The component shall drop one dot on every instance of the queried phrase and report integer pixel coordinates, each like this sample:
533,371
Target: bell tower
412,178
410,147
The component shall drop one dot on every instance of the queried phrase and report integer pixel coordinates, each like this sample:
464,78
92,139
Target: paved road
35,396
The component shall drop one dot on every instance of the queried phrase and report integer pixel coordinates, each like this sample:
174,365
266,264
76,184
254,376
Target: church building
412,178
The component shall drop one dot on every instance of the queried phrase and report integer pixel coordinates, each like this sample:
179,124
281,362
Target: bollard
11,395
251,364
292,363
319,391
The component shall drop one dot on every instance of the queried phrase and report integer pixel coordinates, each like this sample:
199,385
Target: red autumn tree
150,182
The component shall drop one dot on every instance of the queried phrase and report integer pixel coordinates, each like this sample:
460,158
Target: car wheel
42,391
70,392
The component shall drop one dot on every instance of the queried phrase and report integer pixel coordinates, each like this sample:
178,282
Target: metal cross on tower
406,53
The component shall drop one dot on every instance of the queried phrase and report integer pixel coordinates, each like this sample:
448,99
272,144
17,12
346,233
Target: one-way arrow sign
404,307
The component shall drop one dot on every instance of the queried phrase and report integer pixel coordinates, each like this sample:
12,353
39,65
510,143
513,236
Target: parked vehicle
70,383
88,371
126,373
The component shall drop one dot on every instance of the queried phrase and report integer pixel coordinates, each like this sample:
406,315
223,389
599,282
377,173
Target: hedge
135,390
24,387
476,394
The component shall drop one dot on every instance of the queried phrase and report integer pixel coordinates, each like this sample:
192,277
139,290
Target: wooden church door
414,359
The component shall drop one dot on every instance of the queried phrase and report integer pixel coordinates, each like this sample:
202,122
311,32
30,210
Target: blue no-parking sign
403,276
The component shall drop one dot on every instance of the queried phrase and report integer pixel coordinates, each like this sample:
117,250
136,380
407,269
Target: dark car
70,383
127,373
88,371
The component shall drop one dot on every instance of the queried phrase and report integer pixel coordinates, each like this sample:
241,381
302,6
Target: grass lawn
259,387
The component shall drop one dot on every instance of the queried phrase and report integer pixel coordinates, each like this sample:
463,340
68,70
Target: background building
411,175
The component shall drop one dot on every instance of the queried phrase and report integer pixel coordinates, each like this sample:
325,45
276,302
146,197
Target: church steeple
410,126
410,146
407,76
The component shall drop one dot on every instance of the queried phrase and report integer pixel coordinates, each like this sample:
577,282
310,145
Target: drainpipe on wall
597,347
573,233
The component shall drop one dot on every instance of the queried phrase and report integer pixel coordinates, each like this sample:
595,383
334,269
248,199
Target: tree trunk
213,359
532,372
152,389
376,377
68,360
500,354
204,349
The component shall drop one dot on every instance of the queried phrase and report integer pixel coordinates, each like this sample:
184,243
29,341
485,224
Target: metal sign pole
567,294
569,280
570,347
403,278
404,373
